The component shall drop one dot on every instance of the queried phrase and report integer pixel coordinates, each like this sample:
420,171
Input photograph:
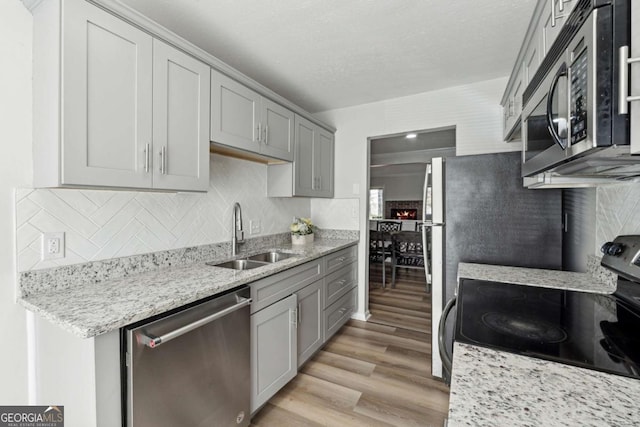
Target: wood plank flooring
406,306
375,373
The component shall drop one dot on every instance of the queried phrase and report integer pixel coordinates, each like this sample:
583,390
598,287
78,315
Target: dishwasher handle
153,342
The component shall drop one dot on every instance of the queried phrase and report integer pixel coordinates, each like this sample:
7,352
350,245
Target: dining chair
407,252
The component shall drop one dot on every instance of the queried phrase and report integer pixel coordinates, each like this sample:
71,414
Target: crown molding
31,4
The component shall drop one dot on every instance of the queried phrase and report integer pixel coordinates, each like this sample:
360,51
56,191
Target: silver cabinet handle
319,183
266,134
555,17
153,342
259,138
147,157
624,98
294,315
447,363
164,158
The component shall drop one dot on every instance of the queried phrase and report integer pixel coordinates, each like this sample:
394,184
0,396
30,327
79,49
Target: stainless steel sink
240,264
253,261
270,257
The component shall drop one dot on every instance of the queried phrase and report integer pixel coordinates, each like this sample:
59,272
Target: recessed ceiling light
411,136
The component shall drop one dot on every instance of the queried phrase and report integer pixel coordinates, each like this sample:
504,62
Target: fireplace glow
404,213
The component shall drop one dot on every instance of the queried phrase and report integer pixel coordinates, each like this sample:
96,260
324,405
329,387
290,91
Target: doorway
396,206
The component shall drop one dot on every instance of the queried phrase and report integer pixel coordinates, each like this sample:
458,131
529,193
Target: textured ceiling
326,54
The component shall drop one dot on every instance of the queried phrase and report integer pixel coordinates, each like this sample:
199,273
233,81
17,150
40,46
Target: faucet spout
237,233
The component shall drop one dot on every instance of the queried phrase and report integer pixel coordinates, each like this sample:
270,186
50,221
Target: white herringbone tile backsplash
100,224
618,212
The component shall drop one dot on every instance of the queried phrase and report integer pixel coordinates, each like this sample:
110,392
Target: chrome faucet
236,238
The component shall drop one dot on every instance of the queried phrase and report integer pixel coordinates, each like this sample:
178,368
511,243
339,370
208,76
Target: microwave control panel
579,98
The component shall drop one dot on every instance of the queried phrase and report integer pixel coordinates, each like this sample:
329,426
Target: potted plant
301,231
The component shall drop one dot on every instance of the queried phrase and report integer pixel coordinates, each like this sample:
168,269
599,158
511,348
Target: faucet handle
240,235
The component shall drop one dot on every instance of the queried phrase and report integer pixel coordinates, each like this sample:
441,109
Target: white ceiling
326,54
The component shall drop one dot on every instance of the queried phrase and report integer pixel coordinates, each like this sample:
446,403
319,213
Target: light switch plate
52,245
255,227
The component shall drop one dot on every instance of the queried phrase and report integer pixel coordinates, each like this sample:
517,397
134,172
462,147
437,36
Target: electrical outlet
255,226
52,245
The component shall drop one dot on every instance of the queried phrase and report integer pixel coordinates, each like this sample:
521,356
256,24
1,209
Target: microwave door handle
552,130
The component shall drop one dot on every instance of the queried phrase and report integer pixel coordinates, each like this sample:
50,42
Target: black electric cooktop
600,332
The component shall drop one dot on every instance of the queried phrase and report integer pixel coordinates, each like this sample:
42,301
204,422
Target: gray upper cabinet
546,23
234,113
241,118
180,120
278,130
313,165
311,174
133,111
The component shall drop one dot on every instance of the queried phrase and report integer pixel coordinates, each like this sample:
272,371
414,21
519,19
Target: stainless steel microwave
571,124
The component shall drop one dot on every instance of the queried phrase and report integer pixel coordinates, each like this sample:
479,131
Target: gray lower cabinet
310,329
293,313
338,313
274,350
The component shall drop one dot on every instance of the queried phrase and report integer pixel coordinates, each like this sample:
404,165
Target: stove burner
521,327
502,292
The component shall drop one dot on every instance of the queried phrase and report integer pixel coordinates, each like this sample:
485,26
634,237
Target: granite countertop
496,388
92,309
584,282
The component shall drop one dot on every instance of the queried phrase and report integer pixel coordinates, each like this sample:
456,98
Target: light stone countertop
584,282
496,388
91,309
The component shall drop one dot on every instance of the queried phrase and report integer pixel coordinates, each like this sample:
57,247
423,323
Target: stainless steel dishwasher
191,368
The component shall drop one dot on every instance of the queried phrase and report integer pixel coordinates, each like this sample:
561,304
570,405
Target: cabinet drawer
339,313
272,289
337,260
339,282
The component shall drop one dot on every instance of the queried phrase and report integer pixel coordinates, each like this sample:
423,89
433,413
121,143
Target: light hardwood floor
374,373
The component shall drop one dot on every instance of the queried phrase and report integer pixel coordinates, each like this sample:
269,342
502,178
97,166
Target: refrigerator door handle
434,224
447,361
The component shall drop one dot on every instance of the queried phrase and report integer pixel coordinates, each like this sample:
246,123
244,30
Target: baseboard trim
361,316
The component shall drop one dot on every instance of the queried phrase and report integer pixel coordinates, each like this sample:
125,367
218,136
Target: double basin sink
253,261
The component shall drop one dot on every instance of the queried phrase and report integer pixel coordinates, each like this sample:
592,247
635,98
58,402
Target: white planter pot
305,239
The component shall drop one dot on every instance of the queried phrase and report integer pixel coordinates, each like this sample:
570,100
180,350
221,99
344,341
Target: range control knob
612,249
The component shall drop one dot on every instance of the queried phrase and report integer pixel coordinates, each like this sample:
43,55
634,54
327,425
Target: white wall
336,214
406,187
15,171
473,109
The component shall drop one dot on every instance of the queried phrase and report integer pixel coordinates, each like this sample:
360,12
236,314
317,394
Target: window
376,203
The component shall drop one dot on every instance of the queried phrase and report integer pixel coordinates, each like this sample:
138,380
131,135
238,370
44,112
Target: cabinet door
323,153
273,350
107,99
304,173
180,120
234,114
550,27
310,330
278,130
513,105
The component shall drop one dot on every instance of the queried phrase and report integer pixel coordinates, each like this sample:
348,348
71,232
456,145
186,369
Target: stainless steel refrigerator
476,210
